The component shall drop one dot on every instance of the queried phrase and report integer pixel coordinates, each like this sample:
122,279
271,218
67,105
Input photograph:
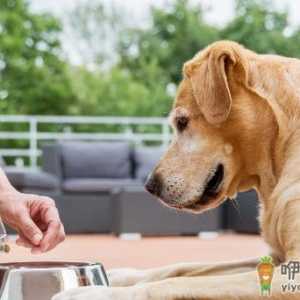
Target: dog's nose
154,184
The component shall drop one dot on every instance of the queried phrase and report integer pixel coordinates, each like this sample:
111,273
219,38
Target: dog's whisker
235,204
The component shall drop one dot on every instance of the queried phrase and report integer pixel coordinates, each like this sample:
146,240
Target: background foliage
126,70
33,78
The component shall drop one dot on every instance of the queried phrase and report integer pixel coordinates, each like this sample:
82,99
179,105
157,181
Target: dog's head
213,118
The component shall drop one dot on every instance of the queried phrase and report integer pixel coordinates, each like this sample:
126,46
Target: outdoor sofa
31,181
102,191
99,188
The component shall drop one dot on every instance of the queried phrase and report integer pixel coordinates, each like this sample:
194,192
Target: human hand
34,217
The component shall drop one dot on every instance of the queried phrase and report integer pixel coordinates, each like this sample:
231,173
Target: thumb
29,229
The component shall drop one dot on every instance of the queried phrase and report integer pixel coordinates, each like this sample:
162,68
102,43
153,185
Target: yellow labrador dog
237,126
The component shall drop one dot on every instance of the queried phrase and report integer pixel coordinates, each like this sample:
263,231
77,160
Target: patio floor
146,252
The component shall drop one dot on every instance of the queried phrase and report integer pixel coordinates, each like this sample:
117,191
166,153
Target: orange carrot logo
265,270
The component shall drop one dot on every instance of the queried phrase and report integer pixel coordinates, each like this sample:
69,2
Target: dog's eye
181,123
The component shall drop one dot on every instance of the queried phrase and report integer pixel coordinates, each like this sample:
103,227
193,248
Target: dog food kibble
4,248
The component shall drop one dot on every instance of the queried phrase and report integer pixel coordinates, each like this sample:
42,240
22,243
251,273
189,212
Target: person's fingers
50,236
42,226
54,234
44,247
23,241
39,226
28,228
38,202
60,237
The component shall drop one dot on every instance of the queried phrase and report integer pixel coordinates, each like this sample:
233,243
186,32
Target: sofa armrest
24,178
52,160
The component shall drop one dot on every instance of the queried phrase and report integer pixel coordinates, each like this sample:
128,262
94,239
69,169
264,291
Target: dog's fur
240,109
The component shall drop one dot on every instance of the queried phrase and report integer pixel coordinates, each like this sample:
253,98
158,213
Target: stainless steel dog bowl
42,280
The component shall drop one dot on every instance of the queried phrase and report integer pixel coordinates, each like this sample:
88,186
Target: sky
220,12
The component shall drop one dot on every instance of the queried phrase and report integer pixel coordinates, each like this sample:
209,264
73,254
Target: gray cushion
96,159
91,185
145,160
26,178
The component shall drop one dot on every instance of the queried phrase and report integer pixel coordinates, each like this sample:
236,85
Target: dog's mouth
212,188
213,184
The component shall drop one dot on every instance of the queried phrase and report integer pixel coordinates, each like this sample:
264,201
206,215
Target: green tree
258,26
105,86
147,62
176,34
98,28
117,92
33,77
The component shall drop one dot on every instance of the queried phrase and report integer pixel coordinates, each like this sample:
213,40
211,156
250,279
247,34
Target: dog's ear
209,80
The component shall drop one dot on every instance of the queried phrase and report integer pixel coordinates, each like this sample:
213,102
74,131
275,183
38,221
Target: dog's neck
273,164
280,199
278,171
277,168
267,145
265,178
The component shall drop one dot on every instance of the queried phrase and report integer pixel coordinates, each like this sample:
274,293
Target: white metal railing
35,136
